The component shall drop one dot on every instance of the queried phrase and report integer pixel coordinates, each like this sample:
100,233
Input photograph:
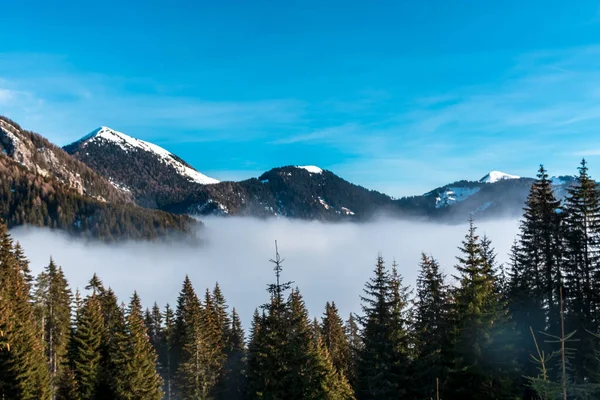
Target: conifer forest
525,329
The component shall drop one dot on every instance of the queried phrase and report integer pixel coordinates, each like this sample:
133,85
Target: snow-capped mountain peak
495,176
128,143
313,169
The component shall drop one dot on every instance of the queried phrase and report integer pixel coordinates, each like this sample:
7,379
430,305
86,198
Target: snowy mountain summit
313,169
129,144
495,176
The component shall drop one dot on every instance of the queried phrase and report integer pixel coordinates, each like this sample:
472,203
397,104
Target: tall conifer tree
88,344
334,338
383,356
23,368
431,327
142,380
53,302
582,269
482,365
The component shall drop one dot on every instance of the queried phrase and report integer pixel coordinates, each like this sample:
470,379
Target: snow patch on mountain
311,168
495,176
453,195
324,203
347,211
128,143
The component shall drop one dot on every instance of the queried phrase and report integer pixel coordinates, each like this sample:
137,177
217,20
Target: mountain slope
286,191
156,178
42,185
495,195
153,176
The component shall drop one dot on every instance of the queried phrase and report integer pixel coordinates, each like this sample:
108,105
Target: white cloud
326,261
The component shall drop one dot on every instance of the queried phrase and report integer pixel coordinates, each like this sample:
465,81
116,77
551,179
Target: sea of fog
327,262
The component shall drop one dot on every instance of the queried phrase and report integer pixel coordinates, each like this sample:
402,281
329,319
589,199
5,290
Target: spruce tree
257,373
88,344
23,368
335,385
582,269
166,352
187,313
355,347
114,346
235,368
304,378
431,327
142,380
334,338
268,365
540,248
534,276
383,357
482,363
53,303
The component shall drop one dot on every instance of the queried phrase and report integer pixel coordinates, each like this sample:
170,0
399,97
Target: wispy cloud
332,134
67,105
543,109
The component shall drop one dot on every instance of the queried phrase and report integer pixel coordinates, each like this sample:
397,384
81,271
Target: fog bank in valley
326,261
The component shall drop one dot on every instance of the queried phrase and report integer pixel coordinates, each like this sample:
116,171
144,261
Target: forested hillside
528,329
41,185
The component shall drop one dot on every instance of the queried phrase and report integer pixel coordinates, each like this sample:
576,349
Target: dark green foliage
235,384
482,361
53,309
23,368
432,323
141,380
334,339
355,346
535,275
384,355
113,349
88,344
165,351
582,269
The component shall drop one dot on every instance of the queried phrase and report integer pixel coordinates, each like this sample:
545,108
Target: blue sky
399,96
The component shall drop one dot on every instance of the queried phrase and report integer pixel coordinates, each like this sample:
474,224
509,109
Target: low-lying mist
326,261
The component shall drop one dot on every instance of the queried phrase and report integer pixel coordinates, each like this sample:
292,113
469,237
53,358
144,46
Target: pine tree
355,347
187,314
235,379
166,351
431,327
384,354
23,369
142,379
23,264
221,314
334,338
113,348
256,364
482,365
303,379
88,344
540,249
268,367
534,275
213,345
194,371
334,384
582,268
53,303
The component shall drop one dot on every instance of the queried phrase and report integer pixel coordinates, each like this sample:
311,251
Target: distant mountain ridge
158,179
108,176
